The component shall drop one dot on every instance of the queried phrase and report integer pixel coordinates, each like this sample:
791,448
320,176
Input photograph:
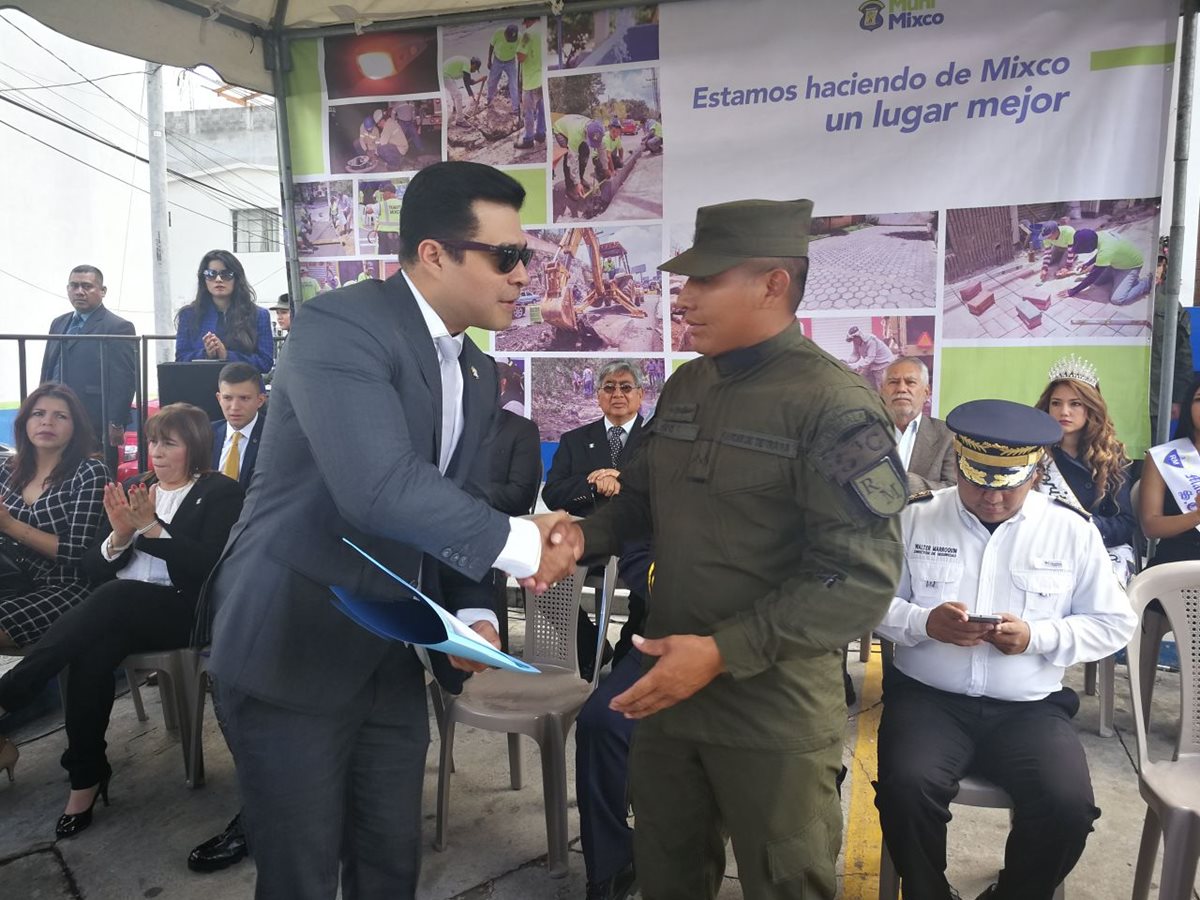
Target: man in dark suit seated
77,363
241,393
924,443
586,470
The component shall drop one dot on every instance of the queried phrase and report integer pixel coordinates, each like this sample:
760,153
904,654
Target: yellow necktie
232,461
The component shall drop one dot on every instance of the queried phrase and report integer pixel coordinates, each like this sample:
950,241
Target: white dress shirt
1046,565
906,440
522,552
245,431
142,566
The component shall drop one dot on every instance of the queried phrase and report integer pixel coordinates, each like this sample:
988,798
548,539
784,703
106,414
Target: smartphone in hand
982,619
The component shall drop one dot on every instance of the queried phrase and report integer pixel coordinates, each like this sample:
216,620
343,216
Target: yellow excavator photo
609,282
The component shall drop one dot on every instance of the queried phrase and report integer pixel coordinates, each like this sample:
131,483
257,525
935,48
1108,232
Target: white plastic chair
1171,787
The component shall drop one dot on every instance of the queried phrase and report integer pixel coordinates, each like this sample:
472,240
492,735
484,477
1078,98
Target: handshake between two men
562,546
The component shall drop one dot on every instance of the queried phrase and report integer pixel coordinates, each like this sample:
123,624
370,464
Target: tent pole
279,60
1168,299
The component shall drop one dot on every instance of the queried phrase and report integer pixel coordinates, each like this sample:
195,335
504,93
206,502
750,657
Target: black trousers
602,739
334,795
118,618
929,739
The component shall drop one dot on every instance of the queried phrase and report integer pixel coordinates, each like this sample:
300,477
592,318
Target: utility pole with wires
156,128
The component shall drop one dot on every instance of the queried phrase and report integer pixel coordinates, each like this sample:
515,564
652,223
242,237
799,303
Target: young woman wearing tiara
1088,468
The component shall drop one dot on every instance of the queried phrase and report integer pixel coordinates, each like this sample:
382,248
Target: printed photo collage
569,107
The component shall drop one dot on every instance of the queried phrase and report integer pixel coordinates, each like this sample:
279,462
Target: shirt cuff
522,552
109,552
738,654
1043,636
471,615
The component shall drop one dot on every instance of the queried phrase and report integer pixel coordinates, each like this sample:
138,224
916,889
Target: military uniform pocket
805,856
753,461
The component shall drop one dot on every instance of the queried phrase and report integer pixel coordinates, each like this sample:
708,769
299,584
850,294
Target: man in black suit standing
241,393
586,471
376,428
77,363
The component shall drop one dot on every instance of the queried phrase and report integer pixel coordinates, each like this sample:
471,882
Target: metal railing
141,385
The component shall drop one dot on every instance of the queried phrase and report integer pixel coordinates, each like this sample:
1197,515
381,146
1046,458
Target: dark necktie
76,327
614,443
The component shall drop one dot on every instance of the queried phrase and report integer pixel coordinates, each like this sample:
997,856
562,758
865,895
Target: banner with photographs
986,178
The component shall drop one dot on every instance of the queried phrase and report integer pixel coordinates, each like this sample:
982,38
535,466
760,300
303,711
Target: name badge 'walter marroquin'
859,454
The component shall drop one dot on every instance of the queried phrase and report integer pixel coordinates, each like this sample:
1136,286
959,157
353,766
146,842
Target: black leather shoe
222,851
619,887
588,662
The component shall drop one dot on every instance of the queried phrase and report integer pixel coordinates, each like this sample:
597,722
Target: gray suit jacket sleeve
932,464
343,380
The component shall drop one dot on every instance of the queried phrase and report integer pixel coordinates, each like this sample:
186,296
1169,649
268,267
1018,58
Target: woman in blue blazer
224,322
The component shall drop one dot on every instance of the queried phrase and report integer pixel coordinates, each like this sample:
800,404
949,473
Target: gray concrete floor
137,847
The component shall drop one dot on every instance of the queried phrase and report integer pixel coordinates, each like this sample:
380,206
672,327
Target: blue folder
416,619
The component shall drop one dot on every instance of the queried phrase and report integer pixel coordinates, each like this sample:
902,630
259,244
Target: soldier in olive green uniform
771,488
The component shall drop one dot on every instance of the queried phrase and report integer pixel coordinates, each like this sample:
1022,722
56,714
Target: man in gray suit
376,428
925,444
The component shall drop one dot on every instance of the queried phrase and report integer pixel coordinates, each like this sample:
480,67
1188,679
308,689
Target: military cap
728,234
998,442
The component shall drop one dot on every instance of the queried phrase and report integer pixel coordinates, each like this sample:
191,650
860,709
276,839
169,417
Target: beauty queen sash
1051,483
1179,464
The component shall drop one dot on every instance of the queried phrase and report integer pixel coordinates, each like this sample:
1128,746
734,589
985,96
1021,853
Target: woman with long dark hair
1167,501
224,321
162,539
1088,468
51,501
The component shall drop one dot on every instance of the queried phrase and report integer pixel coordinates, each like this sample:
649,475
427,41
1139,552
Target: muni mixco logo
875,14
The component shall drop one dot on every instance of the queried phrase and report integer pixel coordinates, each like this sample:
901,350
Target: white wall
60,211
195,233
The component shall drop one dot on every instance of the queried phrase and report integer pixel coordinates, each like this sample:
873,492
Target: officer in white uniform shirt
968,695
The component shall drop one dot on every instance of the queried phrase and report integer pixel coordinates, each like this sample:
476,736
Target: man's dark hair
240,373
90,270
437,203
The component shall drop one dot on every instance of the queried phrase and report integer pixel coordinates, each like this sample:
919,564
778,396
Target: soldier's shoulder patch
856,451
920,496
1079,511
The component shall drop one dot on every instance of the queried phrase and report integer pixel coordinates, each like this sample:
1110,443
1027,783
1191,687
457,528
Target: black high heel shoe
71,825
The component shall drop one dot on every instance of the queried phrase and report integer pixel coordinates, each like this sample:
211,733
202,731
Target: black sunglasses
218,275
507,255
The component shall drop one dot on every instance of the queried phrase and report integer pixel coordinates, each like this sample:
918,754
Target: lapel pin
590,446
474,372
